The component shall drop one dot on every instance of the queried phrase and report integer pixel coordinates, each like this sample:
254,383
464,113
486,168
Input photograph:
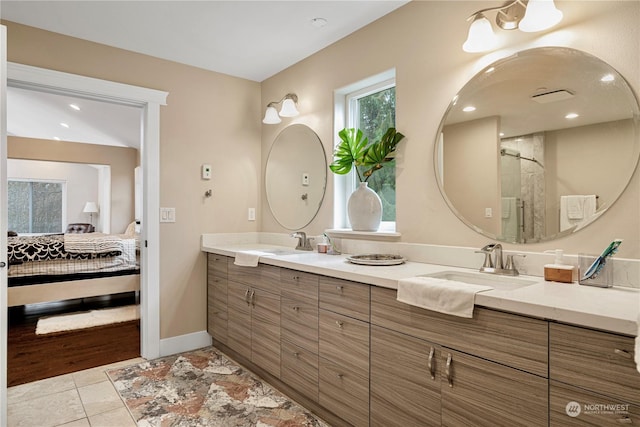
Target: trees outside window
35,206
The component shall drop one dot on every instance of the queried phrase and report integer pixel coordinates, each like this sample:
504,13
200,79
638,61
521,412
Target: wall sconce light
528,16
90,208
289,101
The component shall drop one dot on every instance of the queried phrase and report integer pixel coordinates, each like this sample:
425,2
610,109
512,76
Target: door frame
149,100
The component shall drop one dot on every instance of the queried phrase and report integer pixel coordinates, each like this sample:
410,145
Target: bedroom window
35,207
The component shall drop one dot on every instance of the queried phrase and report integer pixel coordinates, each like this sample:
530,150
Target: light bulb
481,37
539,16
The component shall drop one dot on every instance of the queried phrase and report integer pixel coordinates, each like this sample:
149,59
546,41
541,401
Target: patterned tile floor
199,388
204,388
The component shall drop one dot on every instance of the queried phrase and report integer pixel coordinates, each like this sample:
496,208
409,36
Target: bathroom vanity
333,336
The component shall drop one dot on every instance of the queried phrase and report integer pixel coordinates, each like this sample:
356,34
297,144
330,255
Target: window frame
63,206
346,111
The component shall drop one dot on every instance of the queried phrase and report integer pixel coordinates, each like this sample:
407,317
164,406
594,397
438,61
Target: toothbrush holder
603,279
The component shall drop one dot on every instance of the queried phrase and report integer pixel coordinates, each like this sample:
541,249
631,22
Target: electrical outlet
251,214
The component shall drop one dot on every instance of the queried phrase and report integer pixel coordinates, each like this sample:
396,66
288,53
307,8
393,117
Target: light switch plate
305,179
167,214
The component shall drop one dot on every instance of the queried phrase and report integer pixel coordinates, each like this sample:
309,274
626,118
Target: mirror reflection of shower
522,188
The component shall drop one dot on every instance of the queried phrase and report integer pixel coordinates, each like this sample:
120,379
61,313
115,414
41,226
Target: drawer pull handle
339,288
448,371
431,365
340,376
296,278
623,353
246,297
296,354
252,298
625,420
339,323
296,308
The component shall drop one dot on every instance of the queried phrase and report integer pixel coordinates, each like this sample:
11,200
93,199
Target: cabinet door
217,308
265,331
239,318
572,406
594,360
405,382
477,392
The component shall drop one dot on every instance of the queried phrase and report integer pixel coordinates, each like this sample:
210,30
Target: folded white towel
441,295
249,258
576,209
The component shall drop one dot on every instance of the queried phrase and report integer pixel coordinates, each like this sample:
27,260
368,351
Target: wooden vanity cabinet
592,367
405,380
482,382
254,314
217,297
344,349
299,331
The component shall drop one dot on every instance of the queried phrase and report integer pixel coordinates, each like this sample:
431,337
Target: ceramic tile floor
80,399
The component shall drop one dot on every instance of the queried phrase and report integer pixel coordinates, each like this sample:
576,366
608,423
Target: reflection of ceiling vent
552,96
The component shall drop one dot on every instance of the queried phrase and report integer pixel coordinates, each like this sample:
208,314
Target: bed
66,266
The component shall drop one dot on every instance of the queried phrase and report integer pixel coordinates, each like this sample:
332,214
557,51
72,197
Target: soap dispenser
559,271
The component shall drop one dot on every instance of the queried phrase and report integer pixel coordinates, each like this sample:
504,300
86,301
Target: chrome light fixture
288,109
527,16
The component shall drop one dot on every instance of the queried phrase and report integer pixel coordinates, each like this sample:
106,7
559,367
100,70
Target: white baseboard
185,342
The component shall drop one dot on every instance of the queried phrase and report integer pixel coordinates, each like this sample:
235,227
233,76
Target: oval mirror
538,145
296,176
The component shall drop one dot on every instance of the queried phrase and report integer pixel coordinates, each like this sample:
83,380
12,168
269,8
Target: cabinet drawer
299,323
217,264
299,285
263,276
300,370
510,339
595,360
345,297
572,406
346,341
344,393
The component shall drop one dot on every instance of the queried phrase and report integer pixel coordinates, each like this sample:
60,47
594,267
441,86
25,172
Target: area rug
87,319
204,388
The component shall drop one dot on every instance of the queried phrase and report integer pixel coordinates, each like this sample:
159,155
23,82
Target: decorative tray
376,259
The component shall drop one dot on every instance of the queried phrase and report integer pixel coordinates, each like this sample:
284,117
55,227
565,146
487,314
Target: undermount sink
503,283
280,251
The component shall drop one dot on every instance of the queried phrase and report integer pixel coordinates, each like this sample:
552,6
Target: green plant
354,151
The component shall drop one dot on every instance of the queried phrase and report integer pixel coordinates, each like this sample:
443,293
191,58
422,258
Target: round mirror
296,176
538,145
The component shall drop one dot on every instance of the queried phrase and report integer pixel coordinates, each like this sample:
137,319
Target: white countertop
611,309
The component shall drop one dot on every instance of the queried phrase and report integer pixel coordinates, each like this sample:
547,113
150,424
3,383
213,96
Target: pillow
131,229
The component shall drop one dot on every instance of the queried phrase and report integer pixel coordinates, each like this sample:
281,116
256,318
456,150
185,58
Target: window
35,206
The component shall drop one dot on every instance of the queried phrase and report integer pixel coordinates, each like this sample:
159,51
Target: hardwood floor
32,357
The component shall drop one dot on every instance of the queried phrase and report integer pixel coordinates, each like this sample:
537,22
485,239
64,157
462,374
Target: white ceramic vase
364,209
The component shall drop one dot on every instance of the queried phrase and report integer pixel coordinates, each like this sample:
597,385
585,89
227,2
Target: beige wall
122,161
210,118
423,40
471,173
215,119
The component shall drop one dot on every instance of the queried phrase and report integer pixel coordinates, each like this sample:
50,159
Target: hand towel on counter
575,209
249,258
441,295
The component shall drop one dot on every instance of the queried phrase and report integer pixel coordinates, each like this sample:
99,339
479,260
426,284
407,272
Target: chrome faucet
496,265
304,243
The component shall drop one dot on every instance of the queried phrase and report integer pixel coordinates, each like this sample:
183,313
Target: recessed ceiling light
571,116
318,22
469,109
56,138
64,125
607,78
490,70
75,107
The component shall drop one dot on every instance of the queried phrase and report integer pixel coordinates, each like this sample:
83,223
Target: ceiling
247,39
